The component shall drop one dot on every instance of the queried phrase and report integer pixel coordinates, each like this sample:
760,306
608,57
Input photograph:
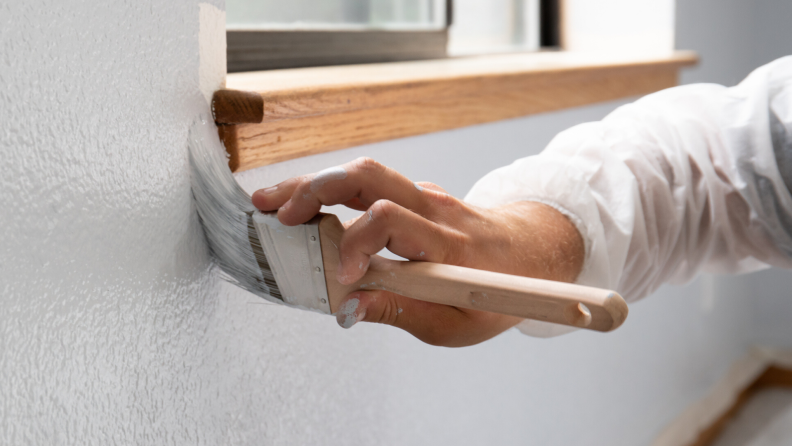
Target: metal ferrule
295,256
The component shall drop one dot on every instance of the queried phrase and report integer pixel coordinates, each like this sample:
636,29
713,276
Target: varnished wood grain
315,110
237,107
474,289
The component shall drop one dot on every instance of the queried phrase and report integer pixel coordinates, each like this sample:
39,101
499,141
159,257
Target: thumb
432,323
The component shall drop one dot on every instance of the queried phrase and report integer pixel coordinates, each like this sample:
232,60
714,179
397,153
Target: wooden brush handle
544,300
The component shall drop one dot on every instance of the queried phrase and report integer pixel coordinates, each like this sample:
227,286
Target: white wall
113,329
733,36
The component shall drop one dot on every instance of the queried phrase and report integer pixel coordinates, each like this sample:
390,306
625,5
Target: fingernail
364,265
269,190
349,314
342,277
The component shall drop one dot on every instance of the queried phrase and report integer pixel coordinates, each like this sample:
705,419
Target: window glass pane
335,14
494,26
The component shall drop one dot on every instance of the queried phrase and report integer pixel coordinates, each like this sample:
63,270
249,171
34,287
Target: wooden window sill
272,116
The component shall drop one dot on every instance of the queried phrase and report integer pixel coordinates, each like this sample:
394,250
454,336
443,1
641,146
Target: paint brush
296,265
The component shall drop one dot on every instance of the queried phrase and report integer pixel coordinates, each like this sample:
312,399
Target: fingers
357,184
434,324
404,233
271,198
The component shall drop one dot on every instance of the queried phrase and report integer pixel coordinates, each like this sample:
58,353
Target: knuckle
303,190
385,210
445,200
431,186
368,166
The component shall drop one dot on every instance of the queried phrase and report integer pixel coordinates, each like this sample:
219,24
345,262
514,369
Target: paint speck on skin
370,215
420,189
348,315
421,254
331,174
360,266
307,196
400,310
393,274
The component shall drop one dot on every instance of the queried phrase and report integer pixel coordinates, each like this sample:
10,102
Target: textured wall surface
113,330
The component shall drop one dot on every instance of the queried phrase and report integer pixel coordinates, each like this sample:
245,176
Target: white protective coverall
693,178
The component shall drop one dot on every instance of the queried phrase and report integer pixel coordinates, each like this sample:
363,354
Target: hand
420,221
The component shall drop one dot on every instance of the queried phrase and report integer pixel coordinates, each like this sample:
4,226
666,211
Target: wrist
540,241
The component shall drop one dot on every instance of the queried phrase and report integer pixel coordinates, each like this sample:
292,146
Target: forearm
679,181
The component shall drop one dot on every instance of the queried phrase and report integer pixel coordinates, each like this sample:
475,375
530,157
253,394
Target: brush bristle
225,211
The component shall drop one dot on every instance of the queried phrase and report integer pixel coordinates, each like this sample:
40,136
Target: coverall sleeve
689,179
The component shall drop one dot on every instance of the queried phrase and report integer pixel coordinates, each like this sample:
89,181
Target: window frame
256,50
268,50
